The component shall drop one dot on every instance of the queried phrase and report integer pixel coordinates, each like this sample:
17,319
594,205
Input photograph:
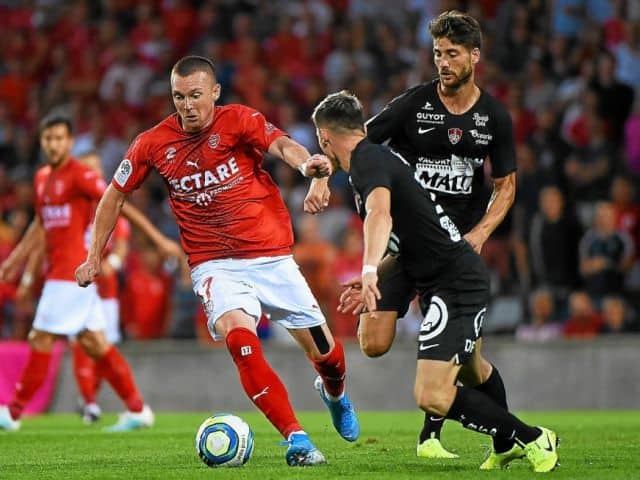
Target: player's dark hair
53,120
194,63
341,110
459,27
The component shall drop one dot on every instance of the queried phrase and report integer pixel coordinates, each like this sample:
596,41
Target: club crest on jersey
123,172
214,140
269,128
455,134
170,154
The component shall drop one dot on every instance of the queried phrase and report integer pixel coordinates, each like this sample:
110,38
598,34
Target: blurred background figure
543,323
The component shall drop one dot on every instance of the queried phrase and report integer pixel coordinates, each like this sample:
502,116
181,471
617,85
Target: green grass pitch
594,445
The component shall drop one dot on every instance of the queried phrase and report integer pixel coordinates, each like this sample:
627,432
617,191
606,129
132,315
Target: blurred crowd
564,262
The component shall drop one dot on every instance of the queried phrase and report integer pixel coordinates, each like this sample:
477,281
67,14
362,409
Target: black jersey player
440,265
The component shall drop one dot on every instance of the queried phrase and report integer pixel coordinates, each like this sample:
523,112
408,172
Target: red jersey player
237,234
66,192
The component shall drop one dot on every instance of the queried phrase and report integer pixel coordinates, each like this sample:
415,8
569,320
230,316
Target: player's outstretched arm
166,246
107,213
32,239
377,229
297,156
504,192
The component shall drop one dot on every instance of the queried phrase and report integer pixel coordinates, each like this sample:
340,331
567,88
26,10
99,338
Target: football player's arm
164,244
377,228
316,166
32,239
107,213
502,197
31,272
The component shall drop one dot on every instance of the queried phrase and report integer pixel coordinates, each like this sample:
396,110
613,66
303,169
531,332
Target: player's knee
94,344
372,347
41,341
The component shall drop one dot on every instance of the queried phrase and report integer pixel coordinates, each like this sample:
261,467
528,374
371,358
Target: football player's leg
84,371
327,356
260,382
31,378
111,365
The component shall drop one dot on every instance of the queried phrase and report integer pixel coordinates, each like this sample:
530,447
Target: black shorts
396,288
457,303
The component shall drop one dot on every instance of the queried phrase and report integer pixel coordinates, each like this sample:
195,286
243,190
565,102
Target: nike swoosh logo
436,419
427,347
258,395
425,130
548,448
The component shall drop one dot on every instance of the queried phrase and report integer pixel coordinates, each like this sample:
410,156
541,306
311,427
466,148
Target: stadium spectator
542,325
617,316
606,254
584,321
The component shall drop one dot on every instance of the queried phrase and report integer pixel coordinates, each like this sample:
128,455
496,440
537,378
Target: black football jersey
447,150
428,239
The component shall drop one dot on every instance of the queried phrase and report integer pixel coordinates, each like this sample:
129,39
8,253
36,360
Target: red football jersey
108,284
65,202
225,203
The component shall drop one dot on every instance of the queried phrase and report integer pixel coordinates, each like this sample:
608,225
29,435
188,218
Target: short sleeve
370,170
134,168
390,121
257,131
90,183
503,150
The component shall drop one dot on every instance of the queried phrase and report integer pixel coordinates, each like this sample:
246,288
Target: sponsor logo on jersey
202,186
481,120
56,215
214,140
455,134
437,118
447,175
427,106
481,138
170,154
123,172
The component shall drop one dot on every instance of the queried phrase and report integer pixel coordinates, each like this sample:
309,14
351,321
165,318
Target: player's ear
475,55
216,92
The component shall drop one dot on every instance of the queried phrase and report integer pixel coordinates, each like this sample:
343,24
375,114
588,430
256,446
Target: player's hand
317,198
317,166
370,292
87,272
351,297
476,241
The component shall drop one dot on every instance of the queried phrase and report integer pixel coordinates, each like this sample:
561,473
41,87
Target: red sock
84,369
260,382
115,369
331,368
32,377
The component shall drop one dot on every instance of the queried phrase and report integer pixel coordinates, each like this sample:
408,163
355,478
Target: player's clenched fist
317,166
87,272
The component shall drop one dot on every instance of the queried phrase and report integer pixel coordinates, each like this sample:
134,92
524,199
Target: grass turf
594,445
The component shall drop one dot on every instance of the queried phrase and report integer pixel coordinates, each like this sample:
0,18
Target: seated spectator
553,242
617,316
584,321
542,326
605,254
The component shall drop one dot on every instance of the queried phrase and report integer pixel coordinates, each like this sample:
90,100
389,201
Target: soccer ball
224,440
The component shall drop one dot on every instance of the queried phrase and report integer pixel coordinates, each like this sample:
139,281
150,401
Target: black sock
432,426
493,387
476,411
